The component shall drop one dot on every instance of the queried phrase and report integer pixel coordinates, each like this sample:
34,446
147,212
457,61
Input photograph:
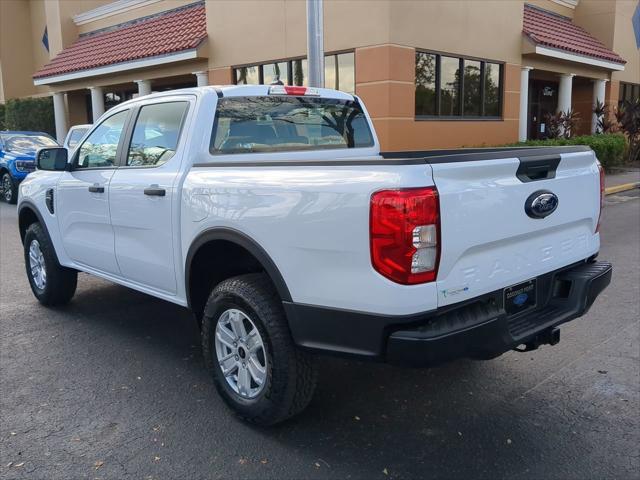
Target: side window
155,135
99,149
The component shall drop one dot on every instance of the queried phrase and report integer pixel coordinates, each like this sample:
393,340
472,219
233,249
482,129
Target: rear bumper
478,328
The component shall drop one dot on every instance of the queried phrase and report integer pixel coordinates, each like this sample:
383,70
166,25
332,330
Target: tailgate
488,239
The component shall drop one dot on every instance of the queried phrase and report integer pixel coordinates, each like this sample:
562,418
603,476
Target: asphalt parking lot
113,386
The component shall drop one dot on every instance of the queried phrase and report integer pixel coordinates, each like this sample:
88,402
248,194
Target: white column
97,102
524,103
60,115
564,92
144,87
598,96
202,78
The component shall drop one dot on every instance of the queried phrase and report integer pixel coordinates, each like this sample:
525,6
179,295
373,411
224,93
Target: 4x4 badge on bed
541,204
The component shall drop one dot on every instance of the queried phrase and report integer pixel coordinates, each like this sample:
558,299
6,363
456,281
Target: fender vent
48,199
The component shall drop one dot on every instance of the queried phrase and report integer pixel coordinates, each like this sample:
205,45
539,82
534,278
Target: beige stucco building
433,74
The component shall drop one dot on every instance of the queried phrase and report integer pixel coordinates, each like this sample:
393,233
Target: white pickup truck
270,212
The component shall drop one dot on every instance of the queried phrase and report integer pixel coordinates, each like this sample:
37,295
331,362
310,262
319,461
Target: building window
45,39
248,75
492,89
628,93
454,87
426,84
300,73
339,72
472,88
274,72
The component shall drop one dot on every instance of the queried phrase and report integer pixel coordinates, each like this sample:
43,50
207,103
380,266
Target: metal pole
315,43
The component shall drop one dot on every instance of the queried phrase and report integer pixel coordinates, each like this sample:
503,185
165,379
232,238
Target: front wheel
51,283
9,189
248,348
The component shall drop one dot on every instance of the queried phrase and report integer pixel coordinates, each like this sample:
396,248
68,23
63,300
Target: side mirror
52,158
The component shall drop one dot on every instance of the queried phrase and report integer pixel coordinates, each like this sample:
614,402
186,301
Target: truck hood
21,154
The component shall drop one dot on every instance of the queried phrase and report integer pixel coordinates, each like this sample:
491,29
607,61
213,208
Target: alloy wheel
241,353
7,188
37,266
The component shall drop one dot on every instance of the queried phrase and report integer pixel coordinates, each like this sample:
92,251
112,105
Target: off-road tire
291,372
61,282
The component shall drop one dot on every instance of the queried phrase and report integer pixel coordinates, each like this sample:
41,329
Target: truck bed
477,154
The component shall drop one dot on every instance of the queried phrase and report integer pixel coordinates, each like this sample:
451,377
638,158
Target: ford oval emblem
541,204
520,299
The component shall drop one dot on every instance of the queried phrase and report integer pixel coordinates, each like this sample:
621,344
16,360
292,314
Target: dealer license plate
520,297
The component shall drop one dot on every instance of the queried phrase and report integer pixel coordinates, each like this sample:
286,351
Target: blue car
17,159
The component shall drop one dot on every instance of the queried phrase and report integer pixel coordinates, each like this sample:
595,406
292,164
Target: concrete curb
621,188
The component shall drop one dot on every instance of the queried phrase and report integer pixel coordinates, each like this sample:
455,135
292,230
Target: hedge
2,116
31,114
608,147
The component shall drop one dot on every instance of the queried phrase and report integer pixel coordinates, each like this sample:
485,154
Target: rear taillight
601,195
405,234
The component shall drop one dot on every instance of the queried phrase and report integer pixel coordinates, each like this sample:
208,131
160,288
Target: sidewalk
621,180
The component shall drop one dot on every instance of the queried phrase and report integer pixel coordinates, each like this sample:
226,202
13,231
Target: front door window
100,147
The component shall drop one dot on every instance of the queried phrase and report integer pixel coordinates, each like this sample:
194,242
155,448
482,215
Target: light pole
315,43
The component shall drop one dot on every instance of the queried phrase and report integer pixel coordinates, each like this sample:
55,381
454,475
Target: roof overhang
573,57
119,67
528,47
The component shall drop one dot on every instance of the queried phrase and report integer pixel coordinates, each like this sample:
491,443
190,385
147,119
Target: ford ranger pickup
270,212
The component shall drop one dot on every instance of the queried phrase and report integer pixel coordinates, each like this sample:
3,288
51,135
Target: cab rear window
287,123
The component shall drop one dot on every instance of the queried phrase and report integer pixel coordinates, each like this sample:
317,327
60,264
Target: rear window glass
281,124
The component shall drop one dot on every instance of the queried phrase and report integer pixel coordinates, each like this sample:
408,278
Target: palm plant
604,123
562,124
628,116
570,121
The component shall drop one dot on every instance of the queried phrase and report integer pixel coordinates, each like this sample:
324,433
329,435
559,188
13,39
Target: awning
168,37
557,36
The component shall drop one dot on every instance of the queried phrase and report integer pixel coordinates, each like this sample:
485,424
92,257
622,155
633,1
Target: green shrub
31,114
2,116
609,147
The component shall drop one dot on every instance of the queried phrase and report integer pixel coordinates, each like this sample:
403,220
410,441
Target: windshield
280,123
21,141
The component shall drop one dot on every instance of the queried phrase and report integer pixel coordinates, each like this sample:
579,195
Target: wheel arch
224,246
27,215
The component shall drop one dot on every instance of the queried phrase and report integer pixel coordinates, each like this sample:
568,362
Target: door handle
95,188
155,191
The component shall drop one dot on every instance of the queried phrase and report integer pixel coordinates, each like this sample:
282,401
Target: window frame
123,136
122,159
289,61
461,117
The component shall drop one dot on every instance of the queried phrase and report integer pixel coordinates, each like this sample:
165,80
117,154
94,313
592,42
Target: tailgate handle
541,167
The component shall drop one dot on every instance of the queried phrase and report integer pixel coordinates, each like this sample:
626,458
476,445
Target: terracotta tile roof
555,31
170,32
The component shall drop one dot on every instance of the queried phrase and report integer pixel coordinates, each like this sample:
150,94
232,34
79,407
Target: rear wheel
248,348
9,189
51,283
